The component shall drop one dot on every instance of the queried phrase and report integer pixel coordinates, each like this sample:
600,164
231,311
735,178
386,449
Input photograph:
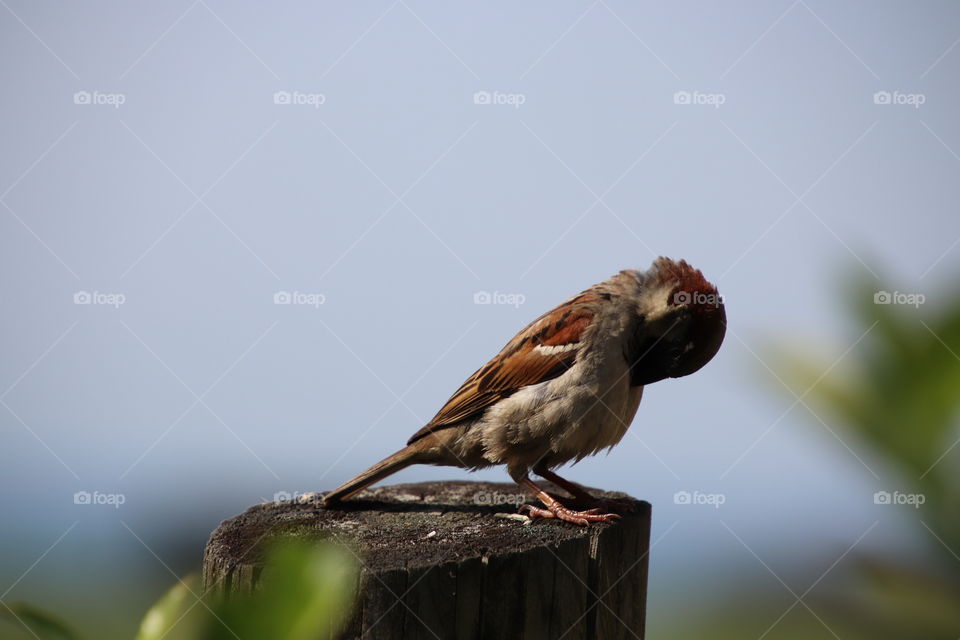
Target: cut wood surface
454,560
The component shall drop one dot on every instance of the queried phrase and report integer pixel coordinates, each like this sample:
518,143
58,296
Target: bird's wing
541,351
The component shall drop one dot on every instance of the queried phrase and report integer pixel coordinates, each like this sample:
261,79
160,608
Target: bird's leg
573,489
556,510
581,495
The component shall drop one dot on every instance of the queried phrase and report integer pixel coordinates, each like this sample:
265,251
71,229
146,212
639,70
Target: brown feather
518,364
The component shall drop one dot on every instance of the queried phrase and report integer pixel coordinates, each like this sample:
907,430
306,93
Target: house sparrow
569,384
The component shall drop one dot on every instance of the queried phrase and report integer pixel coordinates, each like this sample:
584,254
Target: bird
568,385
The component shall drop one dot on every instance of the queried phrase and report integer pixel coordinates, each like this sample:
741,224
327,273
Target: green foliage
898,394
305,594
179,608
39,624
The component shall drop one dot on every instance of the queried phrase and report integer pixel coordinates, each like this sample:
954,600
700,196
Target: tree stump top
406,526
455,560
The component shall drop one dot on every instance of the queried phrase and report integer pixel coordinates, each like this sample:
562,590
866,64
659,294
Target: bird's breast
586,409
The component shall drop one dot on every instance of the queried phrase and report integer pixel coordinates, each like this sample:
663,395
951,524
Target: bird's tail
411,454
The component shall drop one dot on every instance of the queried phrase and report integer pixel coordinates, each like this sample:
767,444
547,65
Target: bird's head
682,322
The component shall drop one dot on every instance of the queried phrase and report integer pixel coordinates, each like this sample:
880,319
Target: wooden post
453,560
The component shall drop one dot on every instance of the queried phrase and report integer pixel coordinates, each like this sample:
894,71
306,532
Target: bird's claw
560,512
615,505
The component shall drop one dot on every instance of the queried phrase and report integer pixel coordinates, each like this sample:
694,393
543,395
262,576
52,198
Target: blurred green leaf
305,593
898,393
40,624
178,608
312,589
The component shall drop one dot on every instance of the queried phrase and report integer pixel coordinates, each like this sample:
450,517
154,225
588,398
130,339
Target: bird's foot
615,505
560,512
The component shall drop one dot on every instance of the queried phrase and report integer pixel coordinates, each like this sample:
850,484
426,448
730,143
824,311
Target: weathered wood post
452,560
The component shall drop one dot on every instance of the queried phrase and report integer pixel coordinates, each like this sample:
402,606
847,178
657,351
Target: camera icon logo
81,97
682,497
882,497
282,297
882,97
482,297
82,497
682,297
281,97
481,97
82,297
882,297
282,496
681,97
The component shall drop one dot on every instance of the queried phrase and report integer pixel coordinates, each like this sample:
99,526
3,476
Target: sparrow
568,386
